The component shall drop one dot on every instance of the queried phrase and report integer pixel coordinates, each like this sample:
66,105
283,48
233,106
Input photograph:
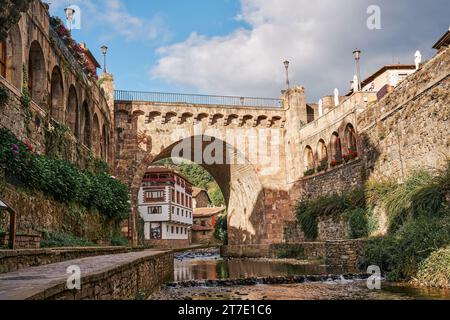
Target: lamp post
357,55
286,65
104,51
69,16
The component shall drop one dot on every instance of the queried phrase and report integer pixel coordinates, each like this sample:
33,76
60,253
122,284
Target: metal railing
67,54
122,95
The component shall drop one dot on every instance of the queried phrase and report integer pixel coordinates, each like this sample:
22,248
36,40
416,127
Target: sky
237,47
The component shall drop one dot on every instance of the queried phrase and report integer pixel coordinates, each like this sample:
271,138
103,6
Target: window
173,195
182,200
3,59
177,230
155,210
172,229
154,196
178,197
203,223
167,229
182,213
178,211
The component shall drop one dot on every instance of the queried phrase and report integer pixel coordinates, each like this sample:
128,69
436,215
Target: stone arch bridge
238,140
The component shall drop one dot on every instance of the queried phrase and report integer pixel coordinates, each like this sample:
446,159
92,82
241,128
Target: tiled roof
207,212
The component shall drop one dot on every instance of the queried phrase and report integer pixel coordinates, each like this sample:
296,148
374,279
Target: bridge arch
239,182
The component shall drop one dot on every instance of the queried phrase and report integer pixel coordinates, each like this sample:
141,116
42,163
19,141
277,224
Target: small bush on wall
4,97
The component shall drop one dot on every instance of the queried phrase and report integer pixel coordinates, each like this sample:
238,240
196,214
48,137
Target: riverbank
328,290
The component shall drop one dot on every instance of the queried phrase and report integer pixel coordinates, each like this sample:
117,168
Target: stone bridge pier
242,147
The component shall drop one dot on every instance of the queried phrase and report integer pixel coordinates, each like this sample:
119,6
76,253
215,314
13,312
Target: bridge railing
231,101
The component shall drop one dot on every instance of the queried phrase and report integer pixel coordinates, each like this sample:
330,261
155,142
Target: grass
419,225
435,271
63,239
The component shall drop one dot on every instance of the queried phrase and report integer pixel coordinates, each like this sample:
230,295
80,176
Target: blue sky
236,47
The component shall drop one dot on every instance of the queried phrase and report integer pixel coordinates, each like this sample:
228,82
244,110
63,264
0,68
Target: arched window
13,59
85,125
336,150
322,152
57,95
72,111
350,137
3,59
36,73
96,136
309,158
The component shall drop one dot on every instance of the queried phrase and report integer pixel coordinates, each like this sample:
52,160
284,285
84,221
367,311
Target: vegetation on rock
61,179
62,240
419,224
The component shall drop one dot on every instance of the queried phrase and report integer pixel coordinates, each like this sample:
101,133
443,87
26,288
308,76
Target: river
198,276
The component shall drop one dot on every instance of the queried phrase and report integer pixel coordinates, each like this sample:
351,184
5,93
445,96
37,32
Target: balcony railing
227,101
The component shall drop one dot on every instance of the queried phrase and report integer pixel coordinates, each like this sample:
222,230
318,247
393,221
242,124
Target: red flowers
28,145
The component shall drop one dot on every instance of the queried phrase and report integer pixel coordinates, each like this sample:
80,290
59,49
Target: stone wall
312,250
130,281
13,260
408,129
23,241
344,254
36,213
340,254
405,131
167,244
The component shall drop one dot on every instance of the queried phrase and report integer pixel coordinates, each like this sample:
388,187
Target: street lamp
286,65
104,51
69,16
357,55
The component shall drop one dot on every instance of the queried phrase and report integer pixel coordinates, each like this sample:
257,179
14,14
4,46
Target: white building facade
165,205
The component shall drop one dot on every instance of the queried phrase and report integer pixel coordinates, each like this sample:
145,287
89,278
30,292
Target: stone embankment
132,275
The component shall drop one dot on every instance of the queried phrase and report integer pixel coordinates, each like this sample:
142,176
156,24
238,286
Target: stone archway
238,181
57,95
37,74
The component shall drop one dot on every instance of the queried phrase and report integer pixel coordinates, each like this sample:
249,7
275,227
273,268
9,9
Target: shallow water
208,265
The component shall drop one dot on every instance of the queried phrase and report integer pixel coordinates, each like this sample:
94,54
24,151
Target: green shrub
309,211
435,271
63,239
221,229
358,223
398,201
62,180
118,240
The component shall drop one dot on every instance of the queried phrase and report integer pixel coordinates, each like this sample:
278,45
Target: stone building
204,224
41,59
200,198
165,205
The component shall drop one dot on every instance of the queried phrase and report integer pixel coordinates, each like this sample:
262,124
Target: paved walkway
26,283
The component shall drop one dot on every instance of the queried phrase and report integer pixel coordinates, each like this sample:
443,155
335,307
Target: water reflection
215,268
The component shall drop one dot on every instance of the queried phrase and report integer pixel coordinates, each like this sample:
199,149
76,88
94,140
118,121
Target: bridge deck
198,99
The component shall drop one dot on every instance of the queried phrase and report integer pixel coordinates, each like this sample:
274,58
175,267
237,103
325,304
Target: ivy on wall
62,180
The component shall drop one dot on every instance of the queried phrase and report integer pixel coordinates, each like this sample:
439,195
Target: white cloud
113,15
318,37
